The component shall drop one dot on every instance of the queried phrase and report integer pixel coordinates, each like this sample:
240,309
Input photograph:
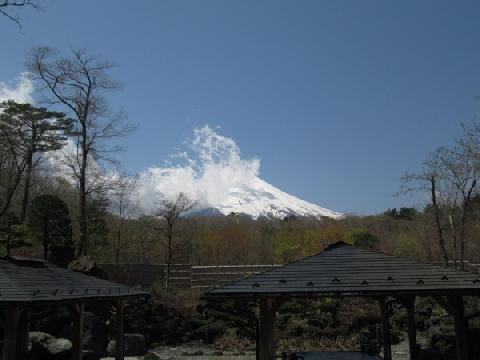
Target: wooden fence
182,276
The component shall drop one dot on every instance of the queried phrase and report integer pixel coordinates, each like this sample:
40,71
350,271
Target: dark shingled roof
28,281
345,270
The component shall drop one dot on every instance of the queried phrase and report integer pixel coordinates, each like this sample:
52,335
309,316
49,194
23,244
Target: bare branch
6,5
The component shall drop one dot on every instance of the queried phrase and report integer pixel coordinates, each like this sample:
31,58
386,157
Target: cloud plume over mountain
212,171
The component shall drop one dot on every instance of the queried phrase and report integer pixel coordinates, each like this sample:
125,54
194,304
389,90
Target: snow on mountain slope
259,198
213,173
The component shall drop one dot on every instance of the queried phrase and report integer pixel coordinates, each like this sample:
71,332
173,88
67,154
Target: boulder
59,348
37,340
134,345
86,265
45,346
151,356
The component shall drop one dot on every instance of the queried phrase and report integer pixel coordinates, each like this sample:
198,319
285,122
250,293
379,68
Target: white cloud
207,170
21,91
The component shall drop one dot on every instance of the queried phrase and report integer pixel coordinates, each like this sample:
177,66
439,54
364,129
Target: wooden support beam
267,329
461,327
22,334
12,315
119,349
387,348
257,339
78,326
412,327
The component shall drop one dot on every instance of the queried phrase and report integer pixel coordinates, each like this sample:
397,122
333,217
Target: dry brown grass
341,343
232,341
183,300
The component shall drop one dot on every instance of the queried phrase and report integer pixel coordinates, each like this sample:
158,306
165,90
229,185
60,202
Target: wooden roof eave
85,299
313,294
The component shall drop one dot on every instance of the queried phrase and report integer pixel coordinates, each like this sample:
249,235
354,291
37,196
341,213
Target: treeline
237,239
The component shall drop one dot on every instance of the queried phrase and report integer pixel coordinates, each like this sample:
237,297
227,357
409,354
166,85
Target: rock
37,340
38,337
151,356
45,346
58,347
83,264
134,345
196,353
86,265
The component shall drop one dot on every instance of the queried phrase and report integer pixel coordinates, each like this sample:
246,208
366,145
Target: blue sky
337,98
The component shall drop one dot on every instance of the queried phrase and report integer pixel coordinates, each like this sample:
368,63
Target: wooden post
257,339
267,328
461,327
119,350
412,327
22,334
12,315
387,349
78,324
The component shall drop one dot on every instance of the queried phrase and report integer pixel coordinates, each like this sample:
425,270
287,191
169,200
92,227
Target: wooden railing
182,276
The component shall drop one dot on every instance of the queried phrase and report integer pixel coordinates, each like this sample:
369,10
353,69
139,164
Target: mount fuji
212,172
261,199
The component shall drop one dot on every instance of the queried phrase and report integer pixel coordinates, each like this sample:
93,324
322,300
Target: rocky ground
202,352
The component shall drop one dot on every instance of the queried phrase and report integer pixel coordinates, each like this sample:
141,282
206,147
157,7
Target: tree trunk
466,204
441,240
83,217
455,242
83,222
7,245
169,255
10,192
45,240
26,188
117,249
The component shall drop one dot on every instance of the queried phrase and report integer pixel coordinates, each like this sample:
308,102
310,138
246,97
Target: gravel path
201,352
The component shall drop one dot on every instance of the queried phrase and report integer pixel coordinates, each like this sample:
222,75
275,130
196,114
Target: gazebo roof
345,270
28,281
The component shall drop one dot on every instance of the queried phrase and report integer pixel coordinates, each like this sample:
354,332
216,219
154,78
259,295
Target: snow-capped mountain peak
259,198
213,173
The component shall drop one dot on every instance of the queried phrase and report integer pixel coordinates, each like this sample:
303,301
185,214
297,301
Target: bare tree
7,5
461,169
170,210
451,176
124,208
78,84
429,180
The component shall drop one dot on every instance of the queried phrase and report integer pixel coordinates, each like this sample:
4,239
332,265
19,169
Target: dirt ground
202,352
